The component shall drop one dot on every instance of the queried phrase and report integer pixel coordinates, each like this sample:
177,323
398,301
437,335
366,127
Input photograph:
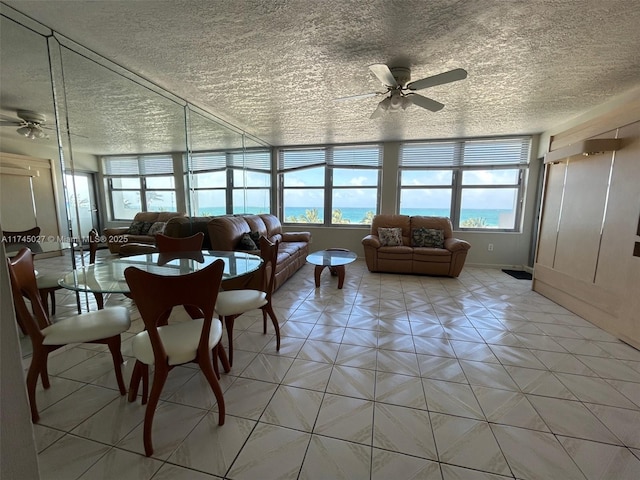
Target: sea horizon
355,215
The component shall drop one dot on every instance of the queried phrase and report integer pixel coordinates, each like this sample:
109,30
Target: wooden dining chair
166,345
233,303
48,282
179,244
102,326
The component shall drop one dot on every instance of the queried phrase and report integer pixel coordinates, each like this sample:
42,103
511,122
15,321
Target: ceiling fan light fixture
32,132
395,101
24,131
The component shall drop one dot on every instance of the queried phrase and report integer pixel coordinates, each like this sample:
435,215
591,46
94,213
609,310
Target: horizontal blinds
370,156
466,153
251,159
138,165
351,156
298,158
208,161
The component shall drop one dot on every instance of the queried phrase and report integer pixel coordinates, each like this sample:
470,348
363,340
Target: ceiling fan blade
357,97
10,123
383,73
425,102
383,106
442,78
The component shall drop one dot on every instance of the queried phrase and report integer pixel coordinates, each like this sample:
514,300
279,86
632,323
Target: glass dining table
108,276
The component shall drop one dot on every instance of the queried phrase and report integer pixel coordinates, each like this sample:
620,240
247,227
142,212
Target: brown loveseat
226,232
446,260
138,231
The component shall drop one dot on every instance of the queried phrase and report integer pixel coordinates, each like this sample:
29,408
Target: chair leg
116,353
52,294
145,382
264,321
136,376
44,372
38,359
268,309
207,369
44,296
214,360
223,358
159,378
99,300
228,323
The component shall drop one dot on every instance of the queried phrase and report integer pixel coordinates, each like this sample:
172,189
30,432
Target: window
329,185
139,183
231,182
476,183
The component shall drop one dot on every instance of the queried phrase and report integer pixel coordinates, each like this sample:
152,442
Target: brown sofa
225,233
445,261
118,236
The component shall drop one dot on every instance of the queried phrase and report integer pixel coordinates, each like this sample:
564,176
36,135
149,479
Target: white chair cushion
235,302
180,341
48,281
87,327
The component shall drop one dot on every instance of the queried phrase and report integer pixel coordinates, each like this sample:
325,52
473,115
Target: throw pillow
427,237
255,236
247,243
157,227
136,228
390,237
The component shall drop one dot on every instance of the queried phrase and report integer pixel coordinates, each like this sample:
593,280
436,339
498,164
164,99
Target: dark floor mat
519,274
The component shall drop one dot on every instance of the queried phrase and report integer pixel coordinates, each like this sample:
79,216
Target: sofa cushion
157,227
390,237
427,237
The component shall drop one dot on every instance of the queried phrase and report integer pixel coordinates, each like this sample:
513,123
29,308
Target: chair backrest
24,236
269,254
185,244
156,295
23,284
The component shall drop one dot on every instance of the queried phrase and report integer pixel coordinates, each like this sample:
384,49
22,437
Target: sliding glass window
477,183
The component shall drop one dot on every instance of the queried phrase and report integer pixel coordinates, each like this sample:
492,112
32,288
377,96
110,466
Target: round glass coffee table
335,259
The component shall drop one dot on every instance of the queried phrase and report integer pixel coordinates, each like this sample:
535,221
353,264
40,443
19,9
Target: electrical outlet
490,247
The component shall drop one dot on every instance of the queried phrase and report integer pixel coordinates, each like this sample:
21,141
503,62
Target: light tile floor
392,377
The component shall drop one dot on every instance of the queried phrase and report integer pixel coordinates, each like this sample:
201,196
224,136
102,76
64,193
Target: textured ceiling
273,68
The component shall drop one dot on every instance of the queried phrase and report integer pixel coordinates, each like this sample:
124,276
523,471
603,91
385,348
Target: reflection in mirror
227,173
29,169
118,145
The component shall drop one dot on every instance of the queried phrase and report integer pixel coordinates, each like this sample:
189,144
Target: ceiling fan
401,94
30,124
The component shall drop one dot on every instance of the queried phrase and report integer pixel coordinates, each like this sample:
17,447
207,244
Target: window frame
331,164
457,164
232,160
146,166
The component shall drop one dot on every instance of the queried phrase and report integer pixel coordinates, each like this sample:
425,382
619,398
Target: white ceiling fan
30,124
400,93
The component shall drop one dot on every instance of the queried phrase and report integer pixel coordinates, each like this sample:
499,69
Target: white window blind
348,156
467,153
208,161
138,165
250,159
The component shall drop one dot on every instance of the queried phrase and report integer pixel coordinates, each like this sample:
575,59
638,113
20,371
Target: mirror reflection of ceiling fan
400,93
30,124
